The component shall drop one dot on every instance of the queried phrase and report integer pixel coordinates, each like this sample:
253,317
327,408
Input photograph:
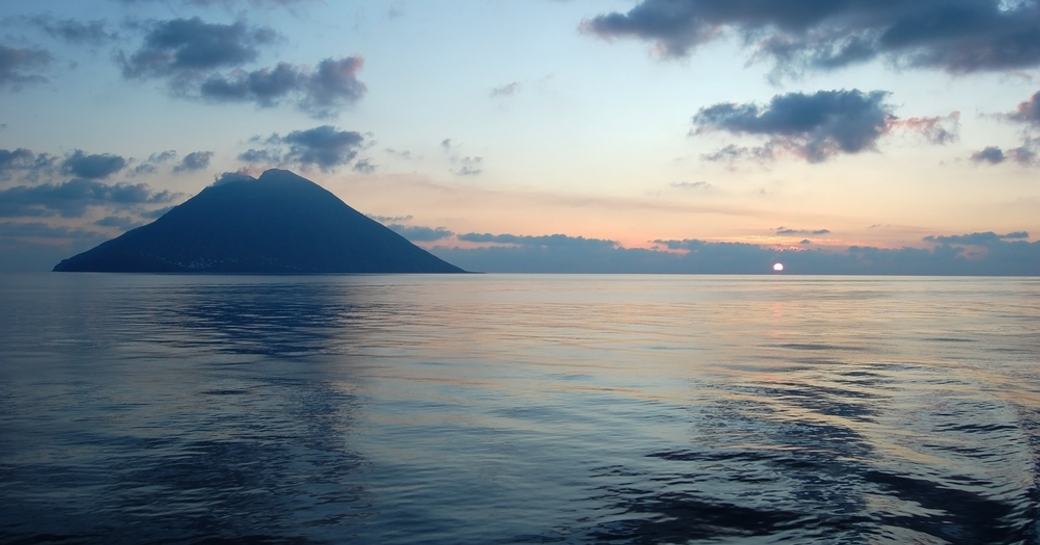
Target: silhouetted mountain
279,223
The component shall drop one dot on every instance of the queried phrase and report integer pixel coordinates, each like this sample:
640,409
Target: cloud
320,92
156,213
23,163
801,232
1028,111
74,197
73,31
1028,154
196,160
940,130
462,165
364,166
468,166
93,166
404,154
418,233
22,66
542,241
181,48
506,90
691,185
152,163
957,36
731,153
260,155
977,239
1010,254
325,147
40,230
232,177
230,4
990,154
191,54
119,222
816,126
390,219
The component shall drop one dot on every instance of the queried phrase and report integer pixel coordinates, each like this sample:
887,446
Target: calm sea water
485,409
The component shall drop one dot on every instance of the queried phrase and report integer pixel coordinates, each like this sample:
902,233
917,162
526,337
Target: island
279,223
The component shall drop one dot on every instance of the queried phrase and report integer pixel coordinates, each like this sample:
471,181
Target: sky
852,136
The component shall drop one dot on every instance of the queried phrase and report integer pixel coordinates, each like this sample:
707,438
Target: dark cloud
418,233
178,48
1010,254
74,197
958,36
506,90
190,54
152,163
332,85
977,239
196,160
254,155
814,126
24,164
15,160
805,242
320,92
990,154
325,147
801,232
93,166
1028,154
22,66
73,31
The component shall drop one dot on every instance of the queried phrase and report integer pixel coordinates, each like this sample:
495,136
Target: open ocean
494,409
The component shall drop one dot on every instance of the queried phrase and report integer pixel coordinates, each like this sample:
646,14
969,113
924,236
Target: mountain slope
279,223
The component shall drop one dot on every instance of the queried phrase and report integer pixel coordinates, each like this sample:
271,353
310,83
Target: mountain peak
281,175
284,224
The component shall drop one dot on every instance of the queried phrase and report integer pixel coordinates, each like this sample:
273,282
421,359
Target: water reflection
511,409
172,449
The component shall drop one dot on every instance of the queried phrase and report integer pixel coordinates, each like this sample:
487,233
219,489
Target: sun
778,267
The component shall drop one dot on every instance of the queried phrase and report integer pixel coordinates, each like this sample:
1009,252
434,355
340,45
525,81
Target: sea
498,409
